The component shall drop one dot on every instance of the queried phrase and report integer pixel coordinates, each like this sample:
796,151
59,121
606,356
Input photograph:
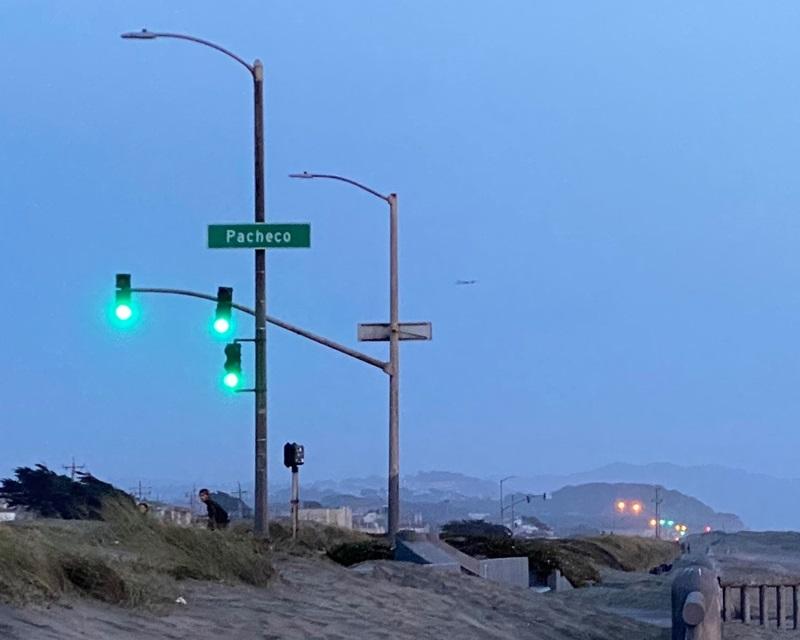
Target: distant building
341,517
370,522
170,514
531,527
6,513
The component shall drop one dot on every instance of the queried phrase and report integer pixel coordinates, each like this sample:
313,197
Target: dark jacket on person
217,516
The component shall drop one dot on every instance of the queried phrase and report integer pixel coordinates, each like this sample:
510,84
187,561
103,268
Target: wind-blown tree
51,495
474,528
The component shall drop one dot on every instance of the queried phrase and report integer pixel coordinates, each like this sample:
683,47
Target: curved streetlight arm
144,34
329,176
363,357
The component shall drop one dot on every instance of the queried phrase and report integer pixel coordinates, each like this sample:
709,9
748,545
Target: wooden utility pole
240,492
74,468
140,492
657,501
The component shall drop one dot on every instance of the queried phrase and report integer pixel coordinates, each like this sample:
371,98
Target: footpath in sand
315,598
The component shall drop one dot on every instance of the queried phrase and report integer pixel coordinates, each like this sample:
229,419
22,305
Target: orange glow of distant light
621,505
637,508
653,522
707,529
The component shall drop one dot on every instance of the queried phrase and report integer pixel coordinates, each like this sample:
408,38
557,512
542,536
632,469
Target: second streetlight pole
261,498
394,374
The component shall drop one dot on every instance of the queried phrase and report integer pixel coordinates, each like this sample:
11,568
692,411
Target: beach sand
314,598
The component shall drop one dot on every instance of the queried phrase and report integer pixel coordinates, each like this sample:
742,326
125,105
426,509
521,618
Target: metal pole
261,512
394,375
295,502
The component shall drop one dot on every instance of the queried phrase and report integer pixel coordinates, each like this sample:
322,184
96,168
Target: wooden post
795,612
725,604
779,606
745,604
762,605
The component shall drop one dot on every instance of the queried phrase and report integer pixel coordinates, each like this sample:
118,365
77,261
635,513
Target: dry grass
128,560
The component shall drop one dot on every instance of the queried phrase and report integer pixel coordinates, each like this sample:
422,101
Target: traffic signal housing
222,317
233,365
122,297
293,455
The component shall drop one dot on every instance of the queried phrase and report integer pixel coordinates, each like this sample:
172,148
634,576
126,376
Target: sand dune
316,599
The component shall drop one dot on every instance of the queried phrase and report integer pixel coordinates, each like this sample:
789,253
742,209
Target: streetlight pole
502,503
261,524
261,497
394,375
393,370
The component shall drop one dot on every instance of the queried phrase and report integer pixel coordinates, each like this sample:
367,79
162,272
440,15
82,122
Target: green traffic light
231,380
222,325
123,312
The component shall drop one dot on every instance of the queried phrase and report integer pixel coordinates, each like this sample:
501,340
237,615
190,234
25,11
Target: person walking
217,516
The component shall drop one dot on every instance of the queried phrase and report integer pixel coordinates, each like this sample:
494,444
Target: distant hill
763,502
585,506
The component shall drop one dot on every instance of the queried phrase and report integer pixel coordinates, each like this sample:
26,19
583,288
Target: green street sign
259,236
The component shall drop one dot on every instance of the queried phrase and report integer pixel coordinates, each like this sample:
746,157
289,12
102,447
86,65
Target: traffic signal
222,318
233,365
293,455
122,297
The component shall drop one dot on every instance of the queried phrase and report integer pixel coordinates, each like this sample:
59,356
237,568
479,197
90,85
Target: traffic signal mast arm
363,357
525,498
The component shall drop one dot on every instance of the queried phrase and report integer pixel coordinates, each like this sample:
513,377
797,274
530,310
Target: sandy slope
317,599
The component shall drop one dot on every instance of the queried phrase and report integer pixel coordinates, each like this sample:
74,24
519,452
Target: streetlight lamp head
305,174
144,34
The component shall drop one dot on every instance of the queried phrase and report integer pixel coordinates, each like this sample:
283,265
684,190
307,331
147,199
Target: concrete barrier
427,549
696,602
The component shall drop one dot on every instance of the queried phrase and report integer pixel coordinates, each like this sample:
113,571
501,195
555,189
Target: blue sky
618,177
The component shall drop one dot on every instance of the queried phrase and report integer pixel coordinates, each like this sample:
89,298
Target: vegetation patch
351,553
578,559
119,555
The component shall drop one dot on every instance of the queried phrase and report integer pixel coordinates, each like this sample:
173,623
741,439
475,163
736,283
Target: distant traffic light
122,297
293,455
222,318
233,365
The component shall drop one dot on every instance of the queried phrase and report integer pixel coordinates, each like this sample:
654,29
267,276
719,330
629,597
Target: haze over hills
762,502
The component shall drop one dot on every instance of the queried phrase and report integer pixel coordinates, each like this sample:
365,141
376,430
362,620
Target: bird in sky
465,282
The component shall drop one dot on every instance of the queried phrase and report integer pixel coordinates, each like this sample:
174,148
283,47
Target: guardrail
786,611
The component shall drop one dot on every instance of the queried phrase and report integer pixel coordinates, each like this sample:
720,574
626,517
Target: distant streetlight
636,508
621,506
502,502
